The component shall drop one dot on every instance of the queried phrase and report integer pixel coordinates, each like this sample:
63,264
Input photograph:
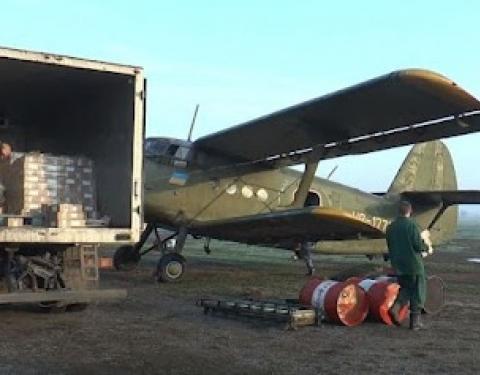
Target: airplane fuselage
192,197
250,194
204,199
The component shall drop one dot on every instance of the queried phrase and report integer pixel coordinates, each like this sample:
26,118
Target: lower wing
305,224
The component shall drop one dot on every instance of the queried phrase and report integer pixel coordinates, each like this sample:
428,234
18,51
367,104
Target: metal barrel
436,295
342,302
381,294
306,293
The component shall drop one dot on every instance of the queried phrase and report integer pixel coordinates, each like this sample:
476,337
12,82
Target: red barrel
342,302
381,294
306,292
354,279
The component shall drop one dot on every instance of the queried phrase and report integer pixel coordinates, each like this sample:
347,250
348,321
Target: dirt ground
159,330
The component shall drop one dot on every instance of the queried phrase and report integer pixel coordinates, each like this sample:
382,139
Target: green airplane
236,184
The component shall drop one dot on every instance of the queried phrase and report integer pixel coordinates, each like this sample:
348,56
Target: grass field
159,330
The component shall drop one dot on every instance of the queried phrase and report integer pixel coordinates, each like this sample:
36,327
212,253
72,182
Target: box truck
71,138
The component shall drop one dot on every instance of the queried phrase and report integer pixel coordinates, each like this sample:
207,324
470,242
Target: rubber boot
394,313
416,322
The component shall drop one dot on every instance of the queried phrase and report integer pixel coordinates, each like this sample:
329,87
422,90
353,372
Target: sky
243,59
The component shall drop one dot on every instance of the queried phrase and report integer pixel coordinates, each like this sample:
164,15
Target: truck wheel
125,258
170,268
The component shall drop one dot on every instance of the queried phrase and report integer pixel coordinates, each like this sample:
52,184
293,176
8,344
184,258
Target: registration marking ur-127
375,221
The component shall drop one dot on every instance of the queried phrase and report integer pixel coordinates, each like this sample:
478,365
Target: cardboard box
15,221
37,179
71,223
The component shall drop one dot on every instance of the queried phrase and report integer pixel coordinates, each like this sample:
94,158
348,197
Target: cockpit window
172,149
182,153
156,146
169,148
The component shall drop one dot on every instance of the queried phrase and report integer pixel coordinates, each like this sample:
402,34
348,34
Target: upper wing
311,223
399,108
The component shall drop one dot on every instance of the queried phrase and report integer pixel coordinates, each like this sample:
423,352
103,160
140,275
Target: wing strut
305,183
438,215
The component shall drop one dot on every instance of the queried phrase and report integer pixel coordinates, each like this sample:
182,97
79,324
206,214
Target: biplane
237,184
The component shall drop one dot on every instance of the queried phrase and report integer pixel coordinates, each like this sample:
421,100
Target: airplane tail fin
427,171
428,166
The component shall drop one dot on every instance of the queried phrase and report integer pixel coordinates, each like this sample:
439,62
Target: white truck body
71,106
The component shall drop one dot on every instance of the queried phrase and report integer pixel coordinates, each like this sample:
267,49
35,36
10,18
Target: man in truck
7,154
7,157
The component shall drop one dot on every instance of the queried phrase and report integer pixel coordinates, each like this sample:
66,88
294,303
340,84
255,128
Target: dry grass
158,330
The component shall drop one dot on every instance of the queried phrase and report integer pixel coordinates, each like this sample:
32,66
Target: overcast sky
243,59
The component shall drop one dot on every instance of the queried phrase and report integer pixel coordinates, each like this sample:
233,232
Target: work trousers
413,289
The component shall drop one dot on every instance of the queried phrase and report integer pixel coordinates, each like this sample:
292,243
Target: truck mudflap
64,296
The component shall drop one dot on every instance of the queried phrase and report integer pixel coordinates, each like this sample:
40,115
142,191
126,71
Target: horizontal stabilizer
445,198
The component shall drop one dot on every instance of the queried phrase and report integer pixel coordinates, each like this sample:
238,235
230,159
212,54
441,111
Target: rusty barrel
381,294
306,293
342,302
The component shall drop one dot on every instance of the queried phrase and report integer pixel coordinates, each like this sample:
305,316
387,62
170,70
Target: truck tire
125,258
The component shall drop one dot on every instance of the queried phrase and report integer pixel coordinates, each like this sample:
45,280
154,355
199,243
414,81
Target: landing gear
206,246
303,250
170,266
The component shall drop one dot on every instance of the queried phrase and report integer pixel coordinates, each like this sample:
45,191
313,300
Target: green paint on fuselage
207,196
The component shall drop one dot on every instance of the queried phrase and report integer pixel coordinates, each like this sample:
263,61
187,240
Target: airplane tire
125,259
170,268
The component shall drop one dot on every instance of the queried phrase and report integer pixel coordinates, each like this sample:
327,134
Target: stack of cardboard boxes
58,190
63,215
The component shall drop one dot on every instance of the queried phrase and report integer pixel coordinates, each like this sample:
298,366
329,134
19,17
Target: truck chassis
57,278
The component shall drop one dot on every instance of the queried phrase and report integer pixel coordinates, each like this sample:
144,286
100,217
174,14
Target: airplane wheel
125,258
170,268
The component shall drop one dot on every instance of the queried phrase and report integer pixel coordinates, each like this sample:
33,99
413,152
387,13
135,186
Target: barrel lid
352,304
436,295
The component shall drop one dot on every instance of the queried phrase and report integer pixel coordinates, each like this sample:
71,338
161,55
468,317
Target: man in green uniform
405,248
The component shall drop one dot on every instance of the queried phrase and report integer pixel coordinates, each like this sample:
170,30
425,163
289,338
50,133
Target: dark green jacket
405,246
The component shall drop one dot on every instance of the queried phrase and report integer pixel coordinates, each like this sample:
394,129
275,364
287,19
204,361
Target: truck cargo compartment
78,110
